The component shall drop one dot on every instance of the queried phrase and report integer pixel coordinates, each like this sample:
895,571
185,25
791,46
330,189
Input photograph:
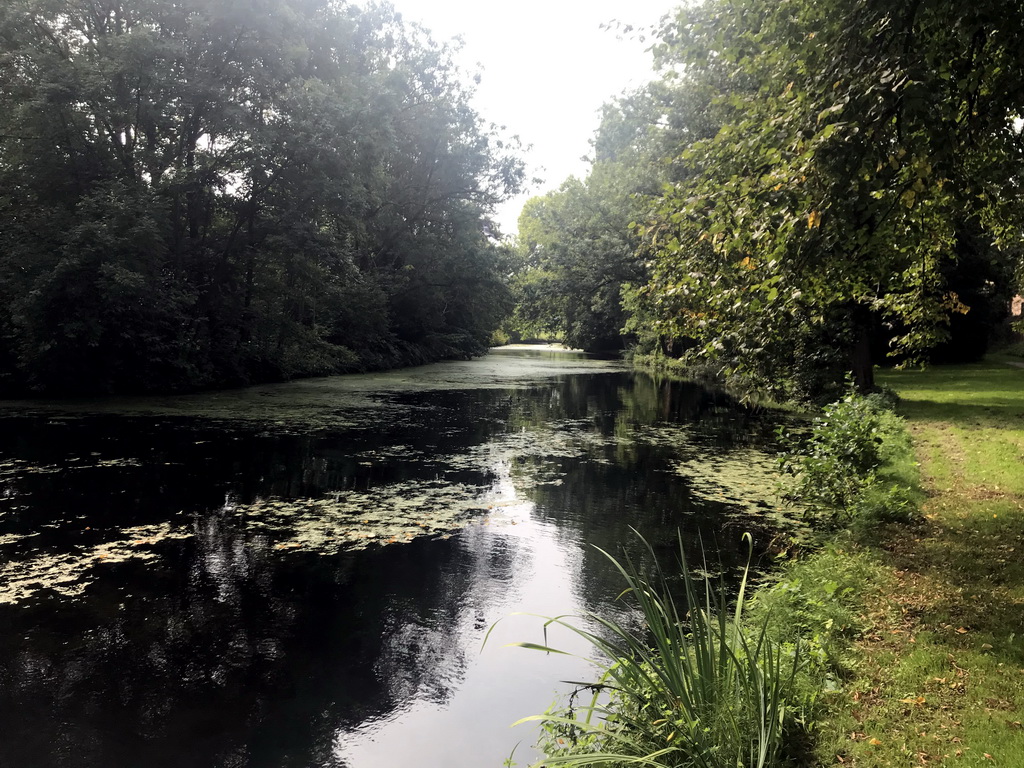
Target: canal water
303,574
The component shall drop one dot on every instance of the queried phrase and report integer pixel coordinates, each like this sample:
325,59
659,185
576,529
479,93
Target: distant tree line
808,189
200,193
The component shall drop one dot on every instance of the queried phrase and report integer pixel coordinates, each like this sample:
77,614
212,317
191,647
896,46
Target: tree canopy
204,192
837,176
577,246
861,146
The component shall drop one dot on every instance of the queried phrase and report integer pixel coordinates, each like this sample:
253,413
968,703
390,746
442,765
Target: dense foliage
861,144
834,182
578,251
855,465
205,192
577,246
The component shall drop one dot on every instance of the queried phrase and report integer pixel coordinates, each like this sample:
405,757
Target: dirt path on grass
941,678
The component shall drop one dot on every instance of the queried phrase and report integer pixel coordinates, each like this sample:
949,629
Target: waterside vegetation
696,685
900,629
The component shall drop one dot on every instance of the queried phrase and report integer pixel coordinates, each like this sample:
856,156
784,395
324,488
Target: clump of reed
695,685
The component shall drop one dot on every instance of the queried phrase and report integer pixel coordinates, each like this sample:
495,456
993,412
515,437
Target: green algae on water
392,514
69,573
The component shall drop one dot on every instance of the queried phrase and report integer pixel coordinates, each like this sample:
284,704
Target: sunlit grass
982,394
940,676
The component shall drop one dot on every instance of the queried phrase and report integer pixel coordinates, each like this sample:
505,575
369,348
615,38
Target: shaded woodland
202,193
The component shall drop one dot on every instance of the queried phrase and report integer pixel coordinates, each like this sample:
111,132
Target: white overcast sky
547,66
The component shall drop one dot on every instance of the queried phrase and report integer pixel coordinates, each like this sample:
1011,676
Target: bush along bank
763,681
855,468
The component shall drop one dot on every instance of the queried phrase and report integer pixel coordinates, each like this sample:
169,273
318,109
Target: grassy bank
908,623
932,667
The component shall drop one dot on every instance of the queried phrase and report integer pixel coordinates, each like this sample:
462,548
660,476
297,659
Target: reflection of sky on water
226,600
535,573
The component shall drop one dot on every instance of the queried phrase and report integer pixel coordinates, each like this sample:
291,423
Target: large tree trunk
861,365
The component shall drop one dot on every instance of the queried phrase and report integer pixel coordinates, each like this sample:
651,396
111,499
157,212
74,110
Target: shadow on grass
977,577
999,414
986,394
973,550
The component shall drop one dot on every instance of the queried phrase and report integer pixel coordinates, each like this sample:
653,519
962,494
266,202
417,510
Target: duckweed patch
15,467
746,479
12,468
351,401
392,514
69,574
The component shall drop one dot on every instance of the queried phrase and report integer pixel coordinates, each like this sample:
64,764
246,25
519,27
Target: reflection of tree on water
601,505
628,481
226,650
241,657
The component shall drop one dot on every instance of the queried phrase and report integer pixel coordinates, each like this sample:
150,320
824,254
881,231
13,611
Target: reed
697,685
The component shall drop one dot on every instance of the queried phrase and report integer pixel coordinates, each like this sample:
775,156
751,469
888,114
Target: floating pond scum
302,574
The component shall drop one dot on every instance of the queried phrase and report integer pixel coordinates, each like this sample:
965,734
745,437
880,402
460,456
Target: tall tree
577,247
859,141
219,191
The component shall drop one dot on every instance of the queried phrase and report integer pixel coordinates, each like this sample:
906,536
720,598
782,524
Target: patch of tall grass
696,686
816,601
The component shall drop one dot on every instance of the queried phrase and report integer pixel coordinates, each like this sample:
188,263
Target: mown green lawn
940,679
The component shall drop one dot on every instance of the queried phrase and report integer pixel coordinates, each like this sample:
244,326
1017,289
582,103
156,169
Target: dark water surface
303,574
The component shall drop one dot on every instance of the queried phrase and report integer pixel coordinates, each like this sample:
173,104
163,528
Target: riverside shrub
853,464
